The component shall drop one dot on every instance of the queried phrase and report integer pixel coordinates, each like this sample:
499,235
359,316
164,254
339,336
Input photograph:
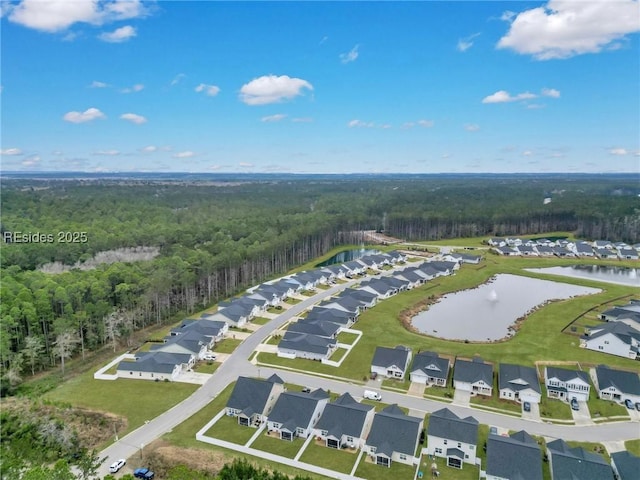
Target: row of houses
388,435
620,335
189,342
564,248
314,336
515,382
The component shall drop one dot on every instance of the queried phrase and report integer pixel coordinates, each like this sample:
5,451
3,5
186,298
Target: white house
345,423
452,437
519,383
391,362
156,366
473,376
566,384
430,369
252,399
616,385
295,413
614,338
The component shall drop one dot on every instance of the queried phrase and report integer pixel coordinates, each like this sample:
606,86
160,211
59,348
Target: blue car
143,473
629,404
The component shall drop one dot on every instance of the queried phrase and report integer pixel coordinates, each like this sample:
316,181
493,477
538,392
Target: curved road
238,365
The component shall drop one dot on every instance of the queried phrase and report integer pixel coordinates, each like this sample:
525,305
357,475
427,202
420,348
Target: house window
372,450
324,433
438,451
606,342
600,347
459,445
445,442
403,456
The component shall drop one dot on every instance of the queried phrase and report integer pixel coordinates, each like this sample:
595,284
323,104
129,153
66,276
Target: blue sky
321,87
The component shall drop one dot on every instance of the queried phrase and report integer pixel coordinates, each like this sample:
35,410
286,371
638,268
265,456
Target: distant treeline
214,241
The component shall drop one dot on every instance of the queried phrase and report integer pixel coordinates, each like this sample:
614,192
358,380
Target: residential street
238,365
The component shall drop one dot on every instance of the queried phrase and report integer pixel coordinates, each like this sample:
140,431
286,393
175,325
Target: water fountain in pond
493,296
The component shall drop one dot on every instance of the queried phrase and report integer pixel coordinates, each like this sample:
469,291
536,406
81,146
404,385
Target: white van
371,395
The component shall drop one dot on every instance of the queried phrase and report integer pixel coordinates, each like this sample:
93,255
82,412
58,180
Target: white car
117,465
209,356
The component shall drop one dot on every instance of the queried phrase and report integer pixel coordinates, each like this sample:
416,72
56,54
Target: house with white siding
296,413
614,338
391,362
252,399
156,366
430,369
617,385
345,423
473,376
565,384
519,383
452,437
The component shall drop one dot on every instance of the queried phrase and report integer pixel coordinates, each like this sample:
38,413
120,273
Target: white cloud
618,151
466,43
272,89
32,161
360,124
58,15
177,79
149,148
565,28
119,35
10,151
133,118
502,96
246,164
185,154
350,56
302,120
273,118
96,84
527,153
472,127
86,116
110,153
550,92
210,90
138,87
426,123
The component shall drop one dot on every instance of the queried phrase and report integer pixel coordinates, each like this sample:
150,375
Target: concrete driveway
582,416
534,414
416,389
461,398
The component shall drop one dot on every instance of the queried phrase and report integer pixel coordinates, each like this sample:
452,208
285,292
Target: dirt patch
161,456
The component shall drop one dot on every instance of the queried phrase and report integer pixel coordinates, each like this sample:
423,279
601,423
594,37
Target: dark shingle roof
386,357
627,464
155,362
576,463
250,395
472,371
565,375
626,382
344,416
319,328
619,329
431,364
517,456
296,408
518,377
306,343
393,431
446,424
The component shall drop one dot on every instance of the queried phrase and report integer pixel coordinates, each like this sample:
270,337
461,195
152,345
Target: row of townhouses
513,246
620,335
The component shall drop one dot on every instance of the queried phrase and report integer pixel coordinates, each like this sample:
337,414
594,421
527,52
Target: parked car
209,356
143,473
526,406
371,395
629,404
638,406
574,404
117,465
306,390
374,375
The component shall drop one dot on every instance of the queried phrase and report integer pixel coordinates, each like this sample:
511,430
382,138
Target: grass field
633,446
605,408
206,367
495,402
468,472
338,460
116,396
228,345
260,320
338,354
553,408
347,337
397,471
276,446
227,428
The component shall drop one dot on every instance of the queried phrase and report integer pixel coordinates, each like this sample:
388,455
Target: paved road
237,365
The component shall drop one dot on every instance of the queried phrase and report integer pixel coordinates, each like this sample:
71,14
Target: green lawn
553,408
605,408
633,446
275,338
440,393
396,384
228,345
338,354
292,301
206,367
397,471
117,396
592,447
260,320
227,428
347,337
276,446
495,402
338,460
468,472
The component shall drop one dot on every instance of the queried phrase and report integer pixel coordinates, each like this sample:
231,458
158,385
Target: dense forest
211,240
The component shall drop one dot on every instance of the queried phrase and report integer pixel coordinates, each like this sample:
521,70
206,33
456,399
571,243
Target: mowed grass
276,446
553,408
633,446
540,336
397,471
228,345
468,472
335,459
117,396
605,408
227,428
347,337
260,320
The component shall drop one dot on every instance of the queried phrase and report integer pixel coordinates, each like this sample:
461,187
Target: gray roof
627,464
344,416
250,395
295,409
155,362
431,364
619,329
191,341
394,431
577,463
380,286
319,328
304,342
411,275
210,328
387,357
517,456
446,424
626,382
330,314
518,377
565,375
471,371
